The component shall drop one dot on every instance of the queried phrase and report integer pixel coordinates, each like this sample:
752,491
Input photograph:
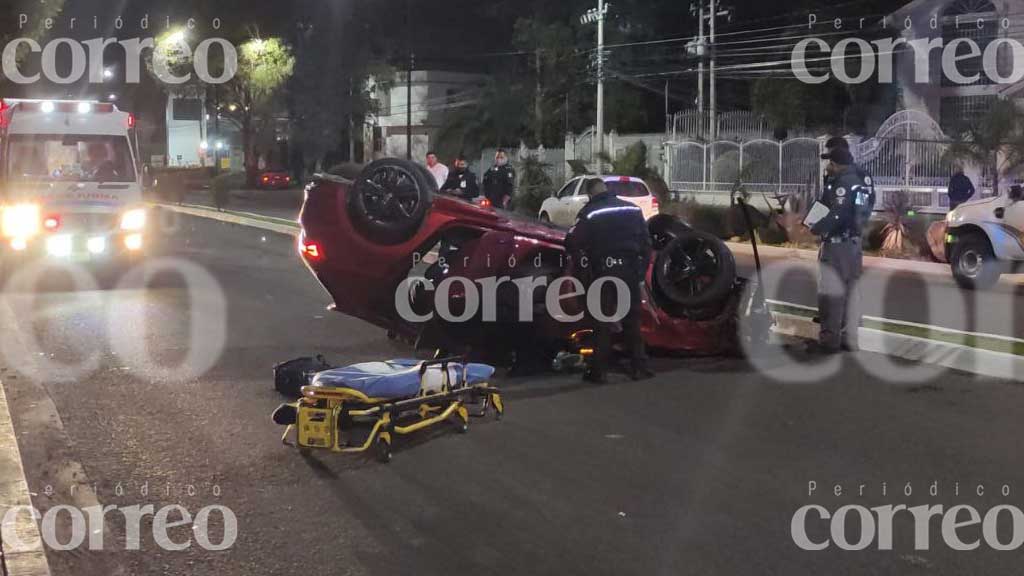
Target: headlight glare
20,221
134,219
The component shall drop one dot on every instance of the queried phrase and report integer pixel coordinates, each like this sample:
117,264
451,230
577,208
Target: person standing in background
960,188
461,181
440,171
500,181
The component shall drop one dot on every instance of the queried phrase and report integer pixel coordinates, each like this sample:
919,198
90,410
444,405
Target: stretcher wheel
461,419
383,450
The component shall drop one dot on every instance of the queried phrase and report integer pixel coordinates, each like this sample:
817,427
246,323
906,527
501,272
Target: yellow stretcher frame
322,411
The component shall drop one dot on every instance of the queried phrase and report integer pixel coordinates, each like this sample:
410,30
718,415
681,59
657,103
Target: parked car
274,180
363,238
984,239
562,207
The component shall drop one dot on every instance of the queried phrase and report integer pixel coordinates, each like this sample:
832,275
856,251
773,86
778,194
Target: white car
69,184
561,209
985,238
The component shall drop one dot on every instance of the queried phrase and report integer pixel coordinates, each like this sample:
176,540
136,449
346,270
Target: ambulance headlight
20,221
134,219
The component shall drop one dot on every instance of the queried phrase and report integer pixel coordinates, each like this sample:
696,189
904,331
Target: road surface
699,471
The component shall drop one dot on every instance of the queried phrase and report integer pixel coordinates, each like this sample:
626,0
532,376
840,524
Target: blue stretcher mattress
397,379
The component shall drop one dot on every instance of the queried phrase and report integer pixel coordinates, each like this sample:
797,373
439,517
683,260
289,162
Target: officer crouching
850,200
612,236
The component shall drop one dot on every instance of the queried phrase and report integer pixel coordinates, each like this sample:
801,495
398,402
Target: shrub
534,186
347,170
223,185
710,219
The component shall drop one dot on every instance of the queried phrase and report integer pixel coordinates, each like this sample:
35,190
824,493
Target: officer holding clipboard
839,219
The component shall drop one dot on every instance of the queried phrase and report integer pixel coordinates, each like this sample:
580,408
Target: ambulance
69,183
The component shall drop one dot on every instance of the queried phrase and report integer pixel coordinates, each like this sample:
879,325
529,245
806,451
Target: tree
10,27
994,141
264,65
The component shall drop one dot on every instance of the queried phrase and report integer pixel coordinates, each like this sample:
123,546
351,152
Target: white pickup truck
985,238
69,184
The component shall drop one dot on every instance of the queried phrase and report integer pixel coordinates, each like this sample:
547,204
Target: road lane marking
30,561
928,327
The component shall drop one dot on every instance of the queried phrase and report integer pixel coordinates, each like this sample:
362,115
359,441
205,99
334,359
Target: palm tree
994,141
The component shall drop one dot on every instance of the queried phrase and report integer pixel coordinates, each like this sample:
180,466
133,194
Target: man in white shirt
440,171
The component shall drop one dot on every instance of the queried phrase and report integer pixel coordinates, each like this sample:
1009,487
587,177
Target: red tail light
310,250
131,120
485,203
624,179
654,202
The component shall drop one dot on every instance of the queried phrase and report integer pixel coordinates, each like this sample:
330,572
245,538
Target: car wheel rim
971,263
389,194
693,266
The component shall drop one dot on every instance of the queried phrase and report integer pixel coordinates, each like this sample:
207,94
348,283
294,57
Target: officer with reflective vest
849,196
610,239
837,142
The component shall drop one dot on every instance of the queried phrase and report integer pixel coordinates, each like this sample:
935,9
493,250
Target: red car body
362,276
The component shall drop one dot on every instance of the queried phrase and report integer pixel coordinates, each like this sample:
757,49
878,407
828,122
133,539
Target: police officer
500,181
611,239
850,200
461,181
837,142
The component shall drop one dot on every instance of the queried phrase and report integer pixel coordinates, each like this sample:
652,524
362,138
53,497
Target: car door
561,217
575,203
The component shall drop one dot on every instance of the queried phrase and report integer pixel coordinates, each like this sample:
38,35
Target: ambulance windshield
70,158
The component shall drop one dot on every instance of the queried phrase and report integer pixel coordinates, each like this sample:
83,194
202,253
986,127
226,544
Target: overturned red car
366,235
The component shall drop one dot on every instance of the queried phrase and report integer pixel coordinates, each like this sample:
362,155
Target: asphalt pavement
698,471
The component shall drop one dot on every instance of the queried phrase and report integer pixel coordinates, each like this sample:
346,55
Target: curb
874,262
957,356
14,491
978,361
269,223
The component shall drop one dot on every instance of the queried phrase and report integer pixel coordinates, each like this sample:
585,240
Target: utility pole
695,48
408,81
713,129
600,86
598,17
700,67
714,11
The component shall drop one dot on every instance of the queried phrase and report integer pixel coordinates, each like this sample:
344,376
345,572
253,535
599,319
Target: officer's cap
839,156
837,142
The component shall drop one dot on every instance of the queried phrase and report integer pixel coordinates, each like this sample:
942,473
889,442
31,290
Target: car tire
974,264
390,199
664,228
695,270
544,218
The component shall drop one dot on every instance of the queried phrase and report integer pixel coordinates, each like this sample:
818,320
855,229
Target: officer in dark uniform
850,201
500,181
610,238
461,181
836,143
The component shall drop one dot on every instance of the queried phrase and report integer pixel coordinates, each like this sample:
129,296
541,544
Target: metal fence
907,153
762,165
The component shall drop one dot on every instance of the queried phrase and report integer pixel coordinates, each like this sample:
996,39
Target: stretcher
364,406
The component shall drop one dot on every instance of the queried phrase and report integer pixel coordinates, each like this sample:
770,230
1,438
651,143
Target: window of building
187,109
957,111
960,20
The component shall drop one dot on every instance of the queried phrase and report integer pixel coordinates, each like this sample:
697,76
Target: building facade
984,22
434,95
